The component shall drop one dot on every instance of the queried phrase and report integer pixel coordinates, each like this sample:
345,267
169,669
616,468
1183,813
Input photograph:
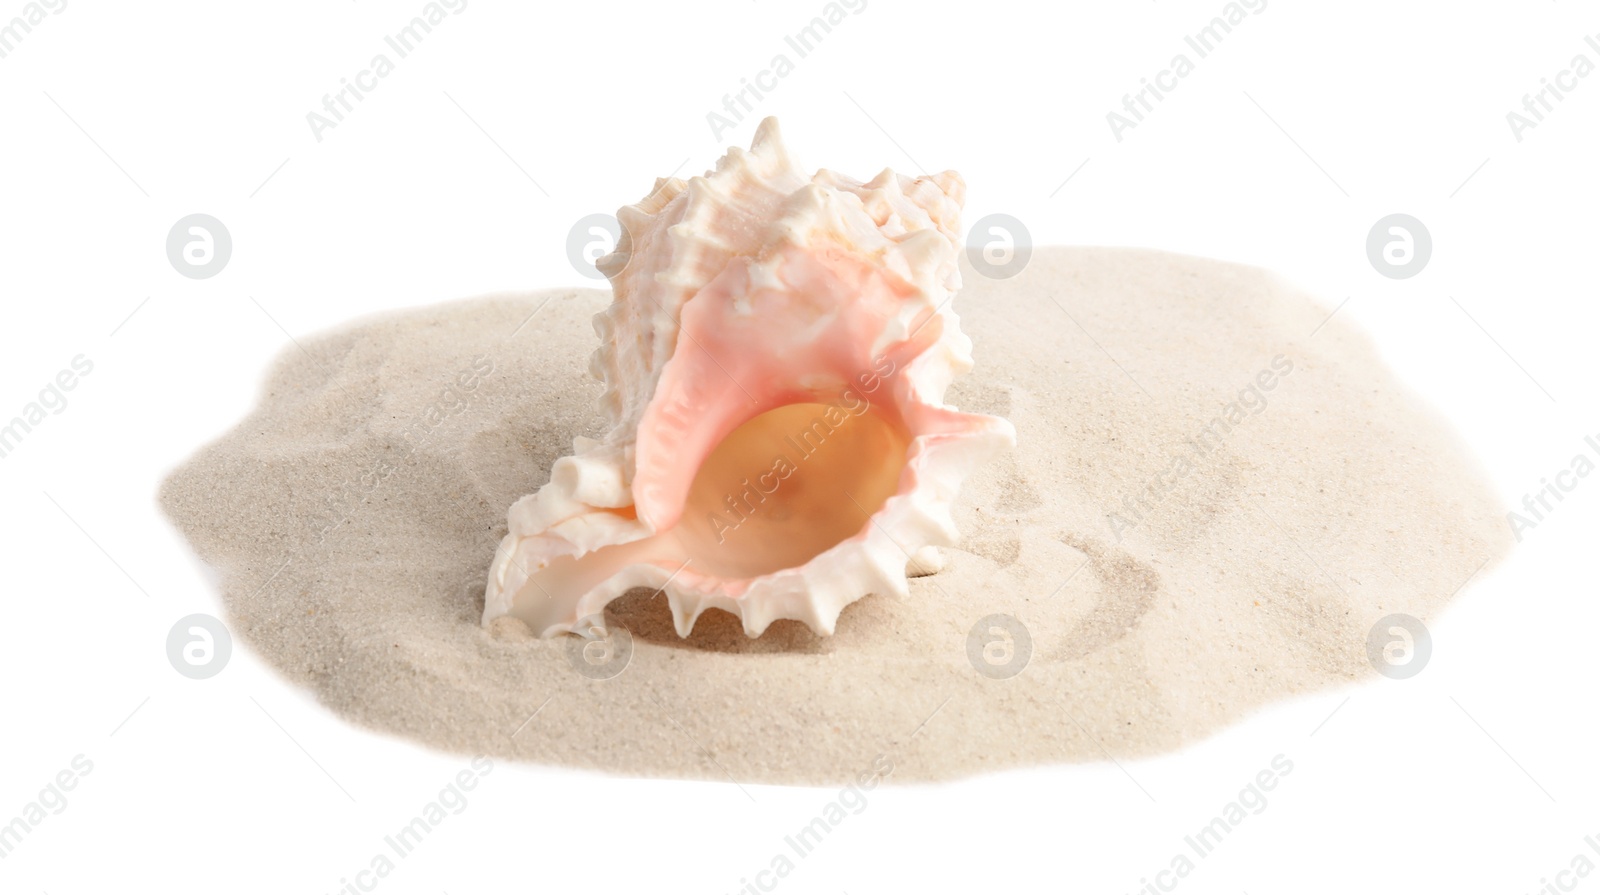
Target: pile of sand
1208,508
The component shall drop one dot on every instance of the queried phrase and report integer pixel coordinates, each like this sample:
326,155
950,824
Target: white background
462,172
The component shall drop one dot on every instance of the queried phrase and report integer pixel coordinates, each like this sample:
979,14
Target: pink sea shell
775,363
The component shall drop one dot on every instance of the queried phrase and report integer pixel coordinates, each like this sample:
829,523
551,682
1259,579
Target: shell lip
712,590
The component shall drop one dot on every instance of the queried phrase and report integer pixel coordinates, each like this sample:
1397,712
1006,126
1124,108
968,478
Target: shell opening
789,484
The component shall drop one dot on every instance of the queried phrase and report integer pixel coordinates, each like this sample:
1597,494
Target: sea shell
775,363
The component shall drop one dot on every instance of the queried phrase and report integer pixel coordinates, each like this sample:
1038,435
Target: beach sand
1173,573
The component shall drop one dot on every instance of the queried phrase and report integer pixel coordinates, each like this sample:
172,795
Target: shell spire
775,361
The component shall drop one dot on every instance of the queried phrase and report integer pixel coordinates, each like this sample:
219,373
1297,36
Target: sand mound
1208,509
